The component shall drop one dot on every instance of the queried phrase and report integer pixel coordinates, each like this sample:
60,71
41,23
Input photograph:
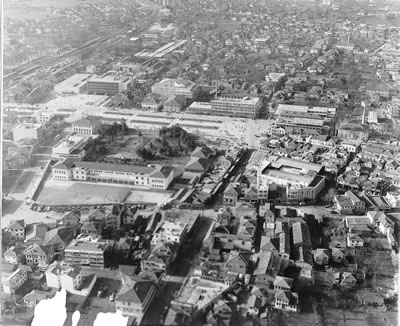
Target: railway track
13,78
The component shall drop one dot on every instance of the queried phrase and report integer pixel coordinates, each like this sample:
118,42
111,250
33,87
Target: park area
75,193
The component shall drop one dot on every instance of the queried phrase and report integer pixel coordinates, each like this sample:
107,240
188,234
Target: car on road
334,212
232,297
247,279
237,289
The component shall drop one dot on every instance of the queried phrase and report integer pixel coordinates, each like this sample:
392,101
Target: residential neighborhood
212,163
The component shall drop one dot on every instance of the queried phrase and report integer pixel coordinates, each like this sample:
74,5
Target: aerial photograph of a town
200,162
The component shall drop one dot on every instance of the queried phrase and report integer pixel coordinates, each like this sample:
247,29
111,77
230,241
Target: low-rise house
14,281
17,229
253,305
71,219
347,279
35,296
283,283
38,255
175,104
134,299
201,152
91,228
231,195
160,258
153,102
236,263
349,203
321,256
58,239
7,269
354,240
198,165
287,300
15,254
35,233
338,255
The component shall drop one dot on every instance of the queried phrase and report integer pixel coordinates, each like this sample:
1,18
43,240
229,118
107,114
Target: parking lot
75,193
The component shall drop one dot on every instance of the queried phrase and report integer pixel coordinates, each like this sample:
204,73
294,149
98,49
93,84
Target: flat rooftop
93,247
109,79
74,80
199,292
244,100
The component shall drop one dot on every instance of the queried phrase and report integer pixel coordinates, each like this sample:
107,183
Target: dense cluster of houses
56,253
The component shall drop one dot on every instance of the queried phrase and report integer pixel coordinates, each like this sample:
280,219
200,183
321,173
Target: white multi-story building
170,232
28,131
87,126
246,107
172,87
109,84
137,176
71,146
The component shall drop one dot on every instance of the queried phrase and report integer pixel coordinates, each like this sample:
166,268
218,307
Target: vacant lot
73,193
151,197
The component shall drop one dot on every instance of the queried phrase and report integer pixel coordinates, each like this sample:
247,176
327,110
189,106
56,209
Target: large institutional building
71,146
243,107
172,87
300,119
109,84
137,176
301,180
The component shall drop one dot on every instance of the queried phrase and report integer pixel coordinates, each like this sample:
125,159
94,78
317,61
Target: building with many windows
238,107
243,107
14,281
72,146
109,84
137,176
301,119
87,126
86,253
171,87
170,232
298,180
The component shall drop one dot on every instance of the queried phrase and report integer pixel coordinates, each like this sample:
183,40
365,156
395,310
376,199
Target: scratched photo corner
200,162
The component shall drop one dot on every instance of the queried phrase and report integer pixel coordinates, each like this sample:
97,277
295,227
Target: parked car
237,289
247,279
232,297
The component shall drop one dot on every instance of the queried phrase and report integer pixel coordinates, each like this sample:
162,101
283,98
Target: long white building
136,176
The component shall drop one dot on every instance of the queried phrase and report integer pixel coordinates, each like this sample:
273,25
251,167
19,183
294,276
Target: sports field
68,193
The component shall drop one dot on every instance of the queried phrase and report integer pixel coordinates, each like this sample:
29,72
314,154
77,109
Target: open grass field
68,193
